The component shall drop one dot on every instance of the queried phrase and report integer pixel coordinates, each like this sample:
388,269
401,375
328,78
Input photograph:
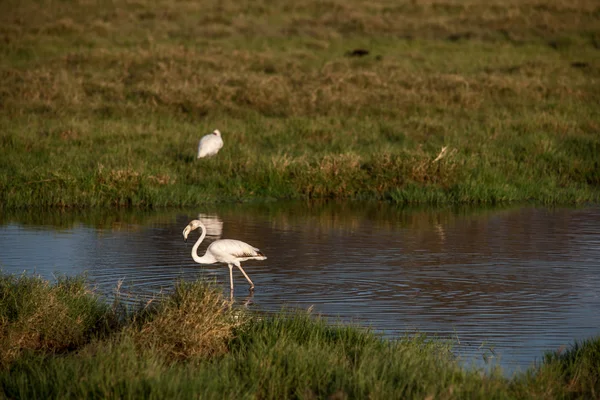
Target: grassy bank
103,103
61,341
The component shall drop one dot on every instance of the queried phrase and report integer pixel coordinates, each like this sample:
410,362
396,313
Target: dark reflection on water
506,282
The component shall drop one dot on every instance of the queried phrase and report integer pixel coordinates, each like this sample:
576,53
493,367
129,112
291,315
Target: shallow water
506,284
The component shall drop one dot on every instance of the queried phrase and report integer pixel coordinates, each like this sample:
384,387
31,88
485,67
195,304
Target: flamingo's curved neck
206,258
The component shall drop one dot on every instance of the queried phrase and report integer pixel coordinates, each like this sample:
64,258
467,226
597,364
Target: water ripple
509,283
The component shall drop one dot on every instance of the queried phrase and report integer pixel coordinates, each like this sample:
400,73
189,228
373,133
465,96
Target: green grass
103,103
195,344
37,316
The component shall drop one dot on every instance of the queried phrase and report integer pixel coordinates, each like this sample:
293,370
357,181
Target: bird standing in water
210,144
227,251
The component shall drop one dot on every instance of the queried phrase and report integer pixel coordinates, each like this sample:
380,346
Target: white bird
210,144
227,251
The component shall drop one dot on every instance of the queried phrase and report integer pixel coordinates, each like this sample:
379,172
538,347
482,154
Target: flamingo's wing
234,249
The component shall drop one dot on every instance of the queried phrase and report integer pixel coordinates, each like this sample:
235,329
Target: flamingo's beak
186,232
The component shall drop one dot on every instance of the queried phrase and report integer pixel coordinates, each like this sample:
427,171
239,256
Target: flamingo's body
227,251
210,144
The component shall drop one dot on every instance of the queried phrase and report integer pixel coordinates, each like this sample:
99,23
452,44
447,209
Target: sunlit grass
40,317
194,322
103,103
59,341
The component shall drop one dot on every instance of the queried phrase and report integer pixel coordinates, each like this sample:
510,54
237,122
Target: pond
506,284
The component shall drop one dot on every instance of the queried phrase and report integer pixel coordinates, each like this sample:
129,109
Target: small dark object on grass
357,53
579,64
458,36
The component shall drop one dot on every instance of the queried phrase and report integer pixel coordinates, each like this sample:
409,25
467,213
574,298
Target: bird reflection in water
213,225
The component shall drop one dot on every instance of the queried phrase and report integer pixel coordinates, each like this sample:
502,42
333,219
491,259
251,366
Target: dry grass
388,88
102,103
193,345
193,323
161,56
38,316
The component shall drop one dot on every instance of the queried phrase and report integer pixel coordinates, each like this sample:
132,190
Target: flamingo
210,144
227,251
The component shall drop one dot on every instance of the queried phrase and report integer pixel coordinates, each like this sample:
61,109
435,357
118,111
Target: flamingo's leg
246,275
231,277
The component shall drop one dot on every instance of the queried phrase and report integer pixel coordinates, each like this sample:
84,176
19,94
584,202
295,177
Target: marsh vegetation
61,341
103,103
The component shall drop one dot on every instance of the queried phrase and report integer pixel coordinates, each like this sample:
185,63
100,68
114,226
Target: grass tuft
568,373
194,322
37,316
